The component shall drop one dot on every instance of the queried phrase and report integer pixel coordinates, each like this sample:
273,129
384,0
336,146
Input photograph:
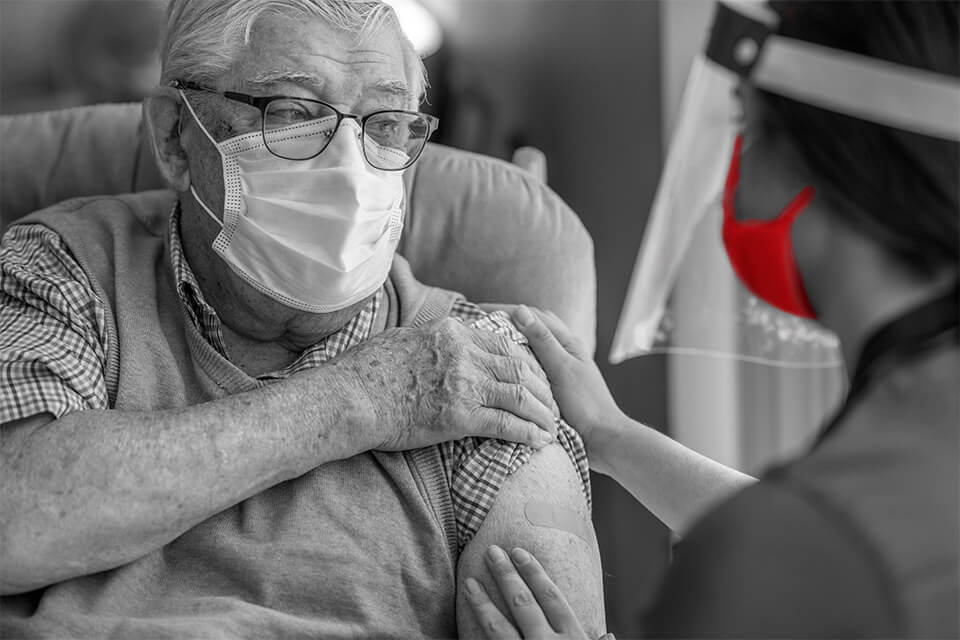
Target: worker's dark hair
901,189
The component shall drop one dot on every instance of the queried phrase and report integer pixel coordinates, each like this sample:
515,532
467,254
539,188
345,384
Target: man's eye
388,129
386,125
284,112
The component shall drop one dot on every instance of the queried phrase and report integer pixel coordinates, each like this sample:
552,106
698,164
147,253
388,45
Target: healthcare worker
840,205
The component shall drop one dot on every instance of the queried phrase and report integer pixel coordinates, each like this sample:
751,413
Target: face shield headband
744,41
684,297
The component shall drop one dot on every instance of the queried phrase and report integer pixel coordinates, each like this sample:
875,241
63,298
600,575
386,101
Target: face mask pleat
349,192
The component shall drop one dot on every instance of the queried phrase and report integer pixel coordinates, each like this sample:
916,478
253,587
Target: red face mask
761,251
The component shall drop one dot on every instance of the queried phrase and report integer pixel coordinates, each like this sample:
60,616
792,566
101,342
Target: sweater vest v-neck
361,547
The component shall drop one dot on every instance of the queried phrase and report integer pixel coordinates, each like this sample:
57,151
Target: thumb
563,334
545,345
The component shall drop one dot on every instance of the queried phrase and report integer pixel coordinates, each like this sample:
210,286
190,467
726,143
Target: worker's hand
580,391
444,381
535,602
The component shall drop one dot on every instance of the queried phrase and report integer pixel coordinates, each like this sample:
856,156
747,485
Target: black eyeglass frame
262,102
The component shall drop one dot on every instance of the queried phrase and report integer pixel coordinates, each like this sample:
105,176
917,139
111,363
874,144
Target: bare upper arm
573,561
13,432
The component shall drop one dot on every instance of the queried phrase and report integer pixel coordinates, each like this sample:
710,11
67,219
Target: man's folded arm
86,488
95,489
541,507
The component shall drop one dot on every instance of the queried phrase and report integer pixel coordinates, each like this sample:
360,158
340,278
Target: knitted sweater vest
362,547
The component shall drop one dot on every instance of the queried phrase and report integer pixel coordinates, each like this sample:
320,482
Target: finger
497,344
493,624
545,393
553,603
521,601
503,425
567,338
517,371
520,401
551,352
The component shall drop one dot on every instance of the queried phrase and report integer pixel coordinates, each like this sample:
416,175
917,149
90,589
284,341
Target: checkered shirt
53,357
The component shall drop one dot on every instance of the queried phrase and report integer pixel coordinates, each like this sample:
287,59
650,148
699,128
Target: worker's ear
161,114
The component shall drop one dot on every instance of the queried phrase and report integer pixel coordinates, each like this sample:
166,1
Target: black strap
731,29
912,335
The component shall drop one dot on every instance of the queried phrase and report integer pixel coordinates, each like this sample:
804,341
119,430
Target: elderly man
205,393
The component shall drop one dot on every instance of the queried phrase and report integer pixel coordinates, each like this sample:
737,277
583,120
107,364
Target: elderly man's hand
446,381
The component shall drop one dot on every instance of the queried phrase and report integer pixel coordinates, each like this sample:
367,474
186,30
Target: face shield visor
684,297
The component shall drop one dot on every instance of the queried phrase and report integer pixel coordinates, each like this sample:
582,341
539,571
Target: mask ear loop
798,204
195,119
789,213
193,192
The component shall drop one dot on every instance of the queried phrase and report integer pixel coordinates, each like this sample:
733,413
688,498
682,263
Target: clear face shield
684,297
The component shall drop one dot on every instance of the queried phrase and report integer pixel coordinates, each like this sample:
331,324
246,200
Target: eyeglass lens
392,140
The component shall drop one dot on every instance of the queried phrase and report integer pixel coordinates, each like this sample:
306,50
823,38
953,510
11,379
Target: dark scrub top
857,539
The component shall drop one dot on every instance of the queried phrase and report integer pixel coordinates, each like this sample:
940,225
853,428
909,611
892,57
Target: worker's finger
493,624
521,601
561,332
554,356
553,603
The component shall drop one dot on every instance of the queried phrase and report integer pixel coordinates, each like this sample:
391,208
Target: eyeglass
393,139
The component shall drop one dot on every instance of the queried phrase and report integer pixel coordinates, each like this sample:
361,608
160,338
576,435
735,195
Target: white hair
203,38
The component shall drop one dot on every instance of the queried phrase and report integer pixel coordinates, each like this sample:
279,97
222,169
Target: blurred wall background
579,79
64,53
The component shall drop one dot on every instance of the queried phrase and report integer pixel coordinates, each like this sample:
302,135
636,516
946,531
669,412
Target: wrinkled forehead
345,67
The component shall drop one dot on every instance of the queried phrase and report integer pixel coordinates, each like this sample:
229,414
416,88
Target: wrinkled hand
445,381
578,386
535,602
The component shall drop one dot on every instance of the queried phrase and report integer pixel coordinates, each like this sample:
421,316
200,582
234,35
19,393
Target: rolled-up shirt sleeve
477,468
52,329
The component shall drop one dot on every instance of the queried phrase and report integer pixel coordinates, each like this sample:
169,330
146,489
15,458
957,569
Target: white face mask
317,235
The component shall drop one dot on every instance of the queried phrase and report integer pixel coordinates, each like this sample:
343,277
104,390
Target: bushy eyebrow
395,88
267,78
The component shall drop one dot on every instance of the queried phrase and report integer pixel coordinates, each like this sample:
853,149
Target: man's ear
161,114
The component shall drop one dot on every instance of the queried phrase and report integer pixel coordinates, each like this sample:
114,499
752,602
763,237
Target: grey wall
580,79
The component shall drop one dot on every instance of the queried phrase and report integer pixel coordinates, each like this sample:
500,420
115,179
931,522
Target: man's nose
347,140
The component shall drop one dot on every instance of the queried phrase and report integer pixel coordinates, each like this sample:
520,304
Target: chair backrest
474,224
